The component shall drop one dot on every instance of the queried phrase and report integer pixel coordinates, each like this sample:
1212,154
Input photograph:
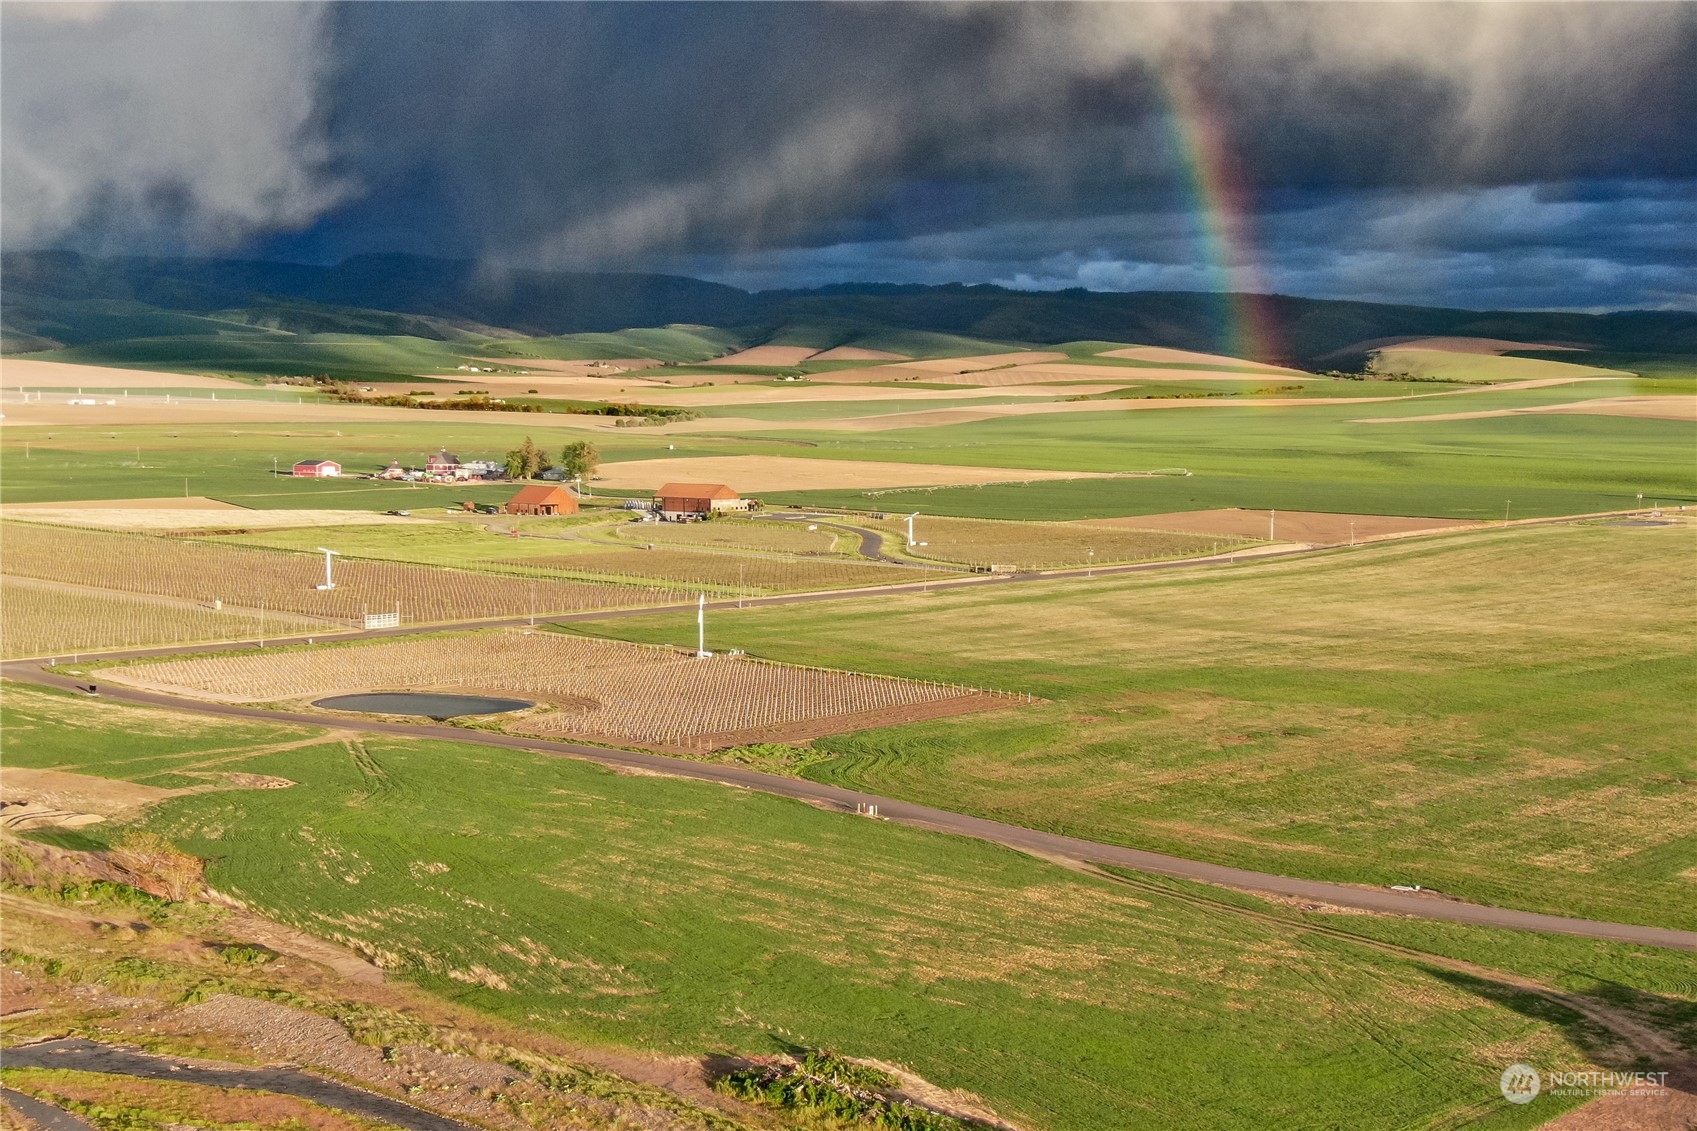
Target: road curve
1048,845
95,1056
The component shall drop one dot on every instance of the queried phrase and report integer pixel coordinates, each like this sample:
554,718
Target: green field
687,918
1309,457
362,357
1504,716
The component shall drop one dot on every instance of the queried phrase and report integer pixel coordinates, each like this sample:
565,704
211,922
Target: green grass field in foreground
683,917
1505,716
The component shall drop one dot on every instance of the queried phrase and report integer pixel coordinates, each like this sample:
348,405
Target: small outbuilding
542,500
693,500
318,468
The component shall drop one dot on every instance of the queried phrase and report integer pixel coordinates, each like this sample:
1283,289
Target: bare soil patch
1671,1108
766,355
751,474
1314,527
77,792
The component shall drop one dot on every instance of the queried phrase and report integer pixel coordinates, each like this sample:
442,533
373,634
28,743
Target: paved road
92,1056
871,541
42,1115
1048,845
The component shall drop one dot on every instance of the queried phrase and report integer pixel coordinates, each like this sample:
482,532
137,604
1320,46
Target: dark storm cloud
793,142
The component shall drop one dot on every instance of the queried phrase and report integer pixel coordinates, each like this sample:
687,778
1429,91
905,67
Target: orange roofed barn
682,499
542,500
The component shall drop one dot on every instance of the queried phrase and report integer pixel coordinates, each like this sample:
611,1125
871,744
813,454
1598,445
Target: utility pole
1506,502
701,627
1352,532
1090,554
1272,517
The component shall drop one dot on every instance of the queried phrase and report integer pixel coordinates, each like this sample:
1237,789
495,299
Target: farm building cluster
672,502
441,467
444,467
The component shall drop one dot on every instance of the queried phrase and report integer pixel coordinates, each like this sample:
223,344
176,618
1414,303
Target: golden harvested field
1474,345
737,534
1163,355
150,514
596,689
986,543
281,581
23,372
1068,372
738,572
1447,365
45,619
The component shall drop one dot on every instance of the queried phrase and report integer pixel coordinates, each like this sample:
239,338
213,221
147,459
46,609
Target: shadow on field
1618,1027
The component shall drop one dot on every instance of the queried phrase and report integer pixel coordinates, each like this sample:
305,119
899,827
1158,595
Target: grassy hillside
665,343
1501,716
687,918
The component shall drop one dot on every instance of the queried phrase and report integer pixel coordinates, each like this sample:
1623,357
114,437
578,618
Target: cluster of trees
578,460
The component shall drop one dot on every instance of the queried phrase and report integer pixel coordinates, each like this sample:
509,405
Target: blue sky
1491,156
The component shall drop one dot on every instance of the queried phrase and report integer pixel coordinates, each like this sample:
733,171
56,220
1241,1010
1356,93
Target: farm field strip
278,580
1049,545
599,689
48,619
737,572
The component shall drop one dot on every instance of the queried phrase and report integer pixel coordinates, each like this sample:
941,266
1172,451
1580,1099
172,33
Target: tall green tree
527,460
580,459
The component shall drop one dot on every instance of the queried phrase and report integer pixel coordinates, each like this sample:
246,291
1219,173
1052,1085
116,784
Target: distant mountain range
54,299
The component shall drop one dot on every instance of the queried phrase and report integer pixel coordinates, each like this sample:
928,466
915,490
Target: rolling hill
203,311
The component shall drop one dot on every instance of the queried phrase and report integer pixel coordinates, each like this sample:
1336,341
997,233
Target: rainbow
1219,202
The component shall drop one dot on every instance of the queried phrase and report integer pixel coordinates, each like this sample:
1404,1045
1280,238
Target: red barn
318,468
542,500
679,500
